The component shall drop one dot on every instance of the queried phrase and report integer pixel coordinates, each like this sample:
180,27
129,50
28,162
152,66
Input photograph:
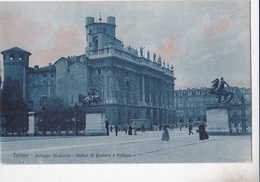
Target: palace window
198,93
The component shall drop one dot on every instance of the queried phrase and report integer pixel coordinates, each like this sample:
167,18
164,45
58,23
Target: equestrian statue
93,97
218,89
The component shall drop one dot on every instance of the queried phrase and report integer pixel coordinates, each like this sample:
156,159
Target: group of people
203,135
128,129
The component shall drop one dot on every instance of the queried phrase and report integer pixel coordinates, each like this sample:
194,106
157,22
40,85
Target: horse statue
93,98
219,92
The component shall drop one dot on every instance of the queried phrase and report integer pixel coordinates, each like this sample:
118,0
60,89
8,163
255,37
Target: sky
203,40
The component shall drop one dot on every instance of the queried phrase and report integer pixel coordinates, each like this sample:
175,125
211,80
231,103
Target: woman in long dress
130,130
203,135
165,135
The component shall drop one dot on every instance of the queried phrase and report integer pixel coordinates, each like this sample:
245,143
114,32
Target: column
150,90
143,90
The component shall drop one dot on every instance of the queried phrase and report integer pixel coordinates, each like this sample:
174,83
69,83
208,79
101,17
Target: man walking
107,126
116,129
190,128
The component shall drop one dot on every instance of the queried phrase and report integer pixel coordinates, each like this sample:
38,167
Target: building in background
190,104
134,85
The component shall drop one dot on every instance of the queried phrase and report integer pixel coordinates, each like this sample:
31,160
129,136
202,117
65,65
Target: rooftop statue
141,51
148,55
154,57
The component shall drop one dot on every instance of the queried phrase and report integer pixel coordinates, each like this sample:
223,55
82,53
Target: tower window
20,57
11,56
99,71
96,44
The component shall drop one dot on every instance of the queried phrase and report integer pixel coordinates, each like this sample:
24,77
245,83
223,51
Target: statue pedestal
95,122
217,119
31,128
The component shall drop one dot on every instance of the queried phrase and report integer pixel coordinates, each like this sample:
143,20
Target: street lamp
43,119
76,108
243,114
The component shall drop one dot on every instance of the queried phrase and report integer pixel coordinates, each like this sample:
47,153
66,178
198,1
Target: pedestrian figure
143,128
107,126
165,135
130,130
203,135
111,128
135,129
190,128
116,129
160,127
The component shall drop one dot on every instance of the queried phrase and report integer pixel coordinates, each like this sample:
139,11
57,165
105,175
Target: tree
13,108
56,115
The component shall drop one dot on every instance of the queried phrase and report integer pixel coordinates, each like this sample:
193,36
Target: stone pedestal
95,122
217,119
31,129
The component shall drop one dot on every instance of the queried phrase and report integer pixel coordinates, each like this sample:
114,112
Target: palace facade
134,86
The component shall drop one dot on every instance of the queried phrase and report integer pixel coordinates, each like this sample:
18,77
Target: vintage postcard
128,82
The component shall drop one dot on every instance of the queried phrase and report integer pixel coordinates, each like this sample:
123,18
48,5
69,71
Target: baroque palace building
134,86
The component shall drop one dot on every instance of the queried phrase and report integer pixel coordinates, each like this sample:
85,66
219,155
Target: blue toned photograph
126,82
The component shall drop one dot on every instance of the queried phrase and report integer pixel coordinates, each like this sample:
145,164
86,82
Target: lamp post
76,107
243,114
43,120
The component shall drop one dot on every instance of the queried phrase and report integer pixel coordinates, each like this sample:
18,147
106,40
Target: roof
62,58
15,49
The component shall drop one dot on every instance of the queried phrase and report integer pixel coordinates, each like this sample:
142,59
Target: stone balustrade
112,51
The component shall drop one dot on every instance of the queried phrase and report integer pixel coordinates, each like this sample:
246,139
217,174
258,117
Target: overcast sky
203,40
